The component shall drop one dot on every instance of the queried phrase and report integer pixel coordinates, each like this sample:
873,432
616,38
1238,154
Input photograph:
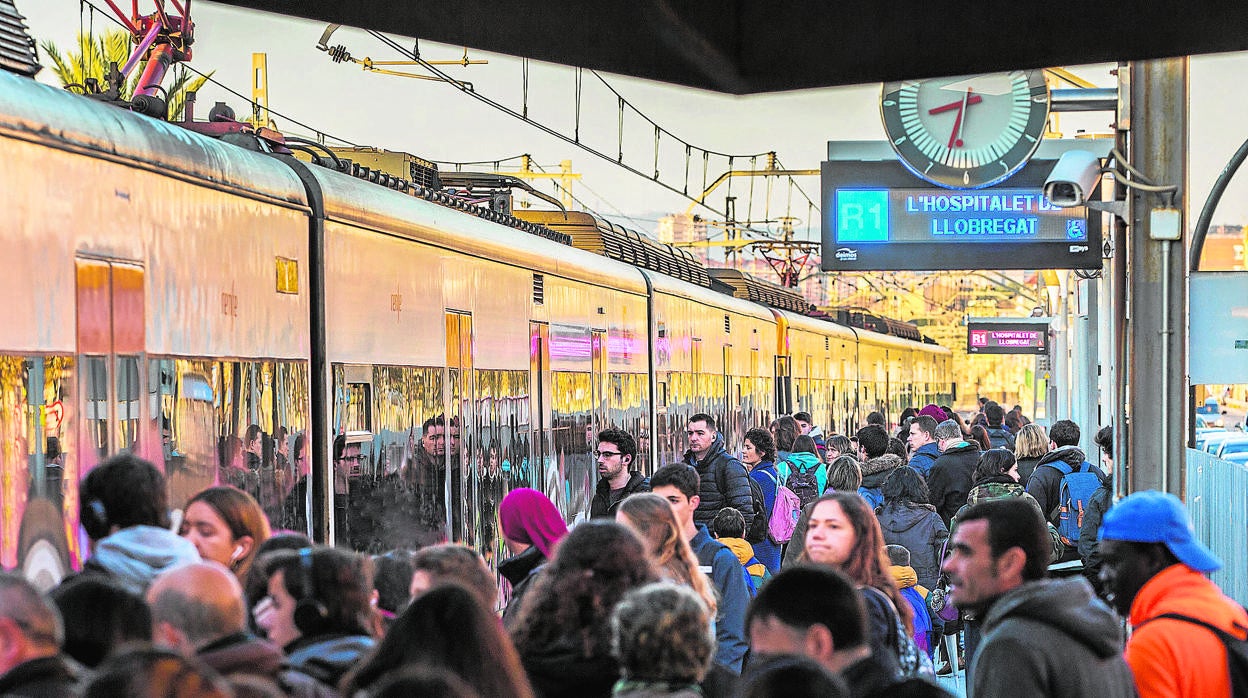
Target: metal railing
1217,499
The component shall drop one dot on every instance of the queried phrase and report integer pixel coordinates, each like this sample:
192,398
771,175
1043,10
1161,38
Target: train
310,330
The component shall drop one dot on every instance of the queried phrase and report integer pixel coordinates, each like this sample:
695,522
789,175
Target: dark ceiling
749,46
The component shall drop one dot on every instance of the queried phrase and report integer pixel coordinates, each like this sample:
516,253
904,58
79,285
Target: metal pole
1085,393
1157,298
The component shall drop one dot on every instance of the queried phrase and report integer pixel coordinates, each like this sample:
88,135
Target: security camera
1073,178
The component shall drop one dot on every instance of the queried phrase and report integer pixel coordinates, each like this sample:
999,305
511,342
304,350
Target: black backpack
804,483
1236,651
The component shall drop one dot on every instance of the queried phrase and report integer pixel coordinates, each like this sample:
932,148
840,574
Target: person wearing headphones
319,609
124,509
226,525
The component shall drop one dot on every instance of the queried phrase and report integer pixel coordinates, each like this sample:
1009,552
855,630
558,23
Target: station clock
966,132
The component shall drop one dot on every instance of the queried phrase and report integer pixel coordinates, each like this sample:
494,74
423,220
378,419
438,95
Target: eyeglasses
606,454
356,458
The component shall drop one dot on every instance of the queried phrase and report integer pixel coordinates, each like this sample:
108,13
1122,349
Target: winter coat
874,472
1051,638
1089,549
728,578
950,479
1177,658
724,483
519,571
1045,484
919,529
562,669
57,676
138,554
243,654
915,595
1027,466
601,506
745,555
924,457
328,657
766,551
996,487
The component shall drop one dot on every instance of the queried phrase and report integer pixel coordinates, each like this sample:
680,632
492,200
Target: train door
734,427
110,346
463,447
541,446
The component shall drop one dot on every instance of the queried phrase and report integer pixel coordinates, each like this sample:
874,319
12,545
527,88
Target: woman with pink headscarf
531,528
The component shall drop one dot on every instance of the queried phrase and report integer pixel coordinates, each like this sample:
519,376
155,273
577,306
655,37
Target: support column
1157,294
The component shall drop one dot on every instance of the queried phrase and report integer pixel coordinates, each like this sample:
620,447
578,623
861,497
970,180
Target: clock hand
973,99
961,117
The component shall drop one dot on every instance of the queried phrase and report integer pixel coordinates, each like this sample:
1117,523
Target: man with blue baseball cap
1153,569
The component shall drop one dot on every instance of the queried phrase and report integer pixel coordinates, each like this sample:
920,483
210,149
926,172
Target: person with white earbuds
227,526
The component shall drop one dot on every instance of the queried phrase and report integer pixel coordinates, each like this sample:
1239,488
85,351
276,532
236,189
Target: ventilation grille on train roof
17,48
610,240
739,284
875,323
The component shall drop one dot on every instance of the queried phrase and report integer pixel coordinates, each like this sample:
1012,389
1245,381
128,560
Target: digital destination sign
877,217
1002,336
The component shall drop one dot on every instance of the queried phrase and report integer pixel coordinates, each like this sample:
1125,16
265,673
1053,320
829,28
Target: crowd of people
805,565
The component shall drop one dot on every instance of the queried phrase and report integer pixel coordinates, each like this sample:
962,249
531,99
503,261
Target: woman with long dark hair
843,533
758,455
446,627
563,630
907,519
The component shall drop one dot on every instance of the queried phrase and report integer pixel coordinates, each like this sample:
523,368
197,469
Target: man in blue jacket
725,482
678,484
924,448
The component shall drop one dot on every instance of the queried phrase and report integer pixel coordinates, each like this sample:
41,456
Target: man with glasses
616,480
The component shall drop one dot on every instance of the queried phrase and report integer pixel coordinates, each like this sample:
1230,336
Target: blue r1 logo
861,215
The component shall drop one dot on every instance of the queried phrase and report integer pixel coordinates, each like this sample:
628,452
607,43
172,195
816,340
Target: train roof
353,200
32,111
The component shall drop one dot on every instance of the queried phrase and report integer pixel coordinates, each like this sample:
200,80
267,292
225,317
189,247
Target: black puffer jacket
724,483
601,506
951,478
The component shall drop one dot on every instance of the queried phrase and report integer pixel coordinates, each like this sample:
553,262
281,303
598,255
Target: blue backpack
1076,491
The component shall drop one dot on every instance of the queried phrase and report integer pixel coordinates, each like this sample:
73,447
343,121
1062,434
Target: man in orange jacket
1154,565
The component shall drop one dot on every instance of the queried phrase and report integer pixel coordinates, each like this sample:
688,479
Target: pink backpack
784,513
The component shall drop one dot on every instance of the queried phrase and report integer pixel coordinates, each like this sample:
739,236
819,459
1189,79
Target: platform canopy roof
752,46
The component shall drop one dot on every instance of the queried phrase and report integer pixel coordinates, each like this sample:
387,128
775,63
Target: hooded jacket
804,461
1051,638
1045,483
874,472
950,479
723,483
924,457
601,506
919,529
1177,658
247,655
138,554
719,563
327,658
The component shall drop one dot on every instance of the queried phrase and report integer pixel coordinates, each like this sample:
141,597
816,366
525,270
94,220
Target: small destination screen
1007,338
877,216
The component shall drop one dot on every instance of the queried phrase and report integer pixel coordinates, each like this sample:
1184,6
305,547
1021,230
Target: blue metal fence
1217,499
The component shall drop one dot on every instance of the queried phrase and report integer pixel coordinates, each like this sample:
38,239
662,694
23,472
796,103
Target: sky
435,121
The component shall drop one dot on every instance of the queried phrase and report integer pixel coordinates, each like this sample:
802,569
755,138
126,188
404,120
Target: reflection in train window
128,403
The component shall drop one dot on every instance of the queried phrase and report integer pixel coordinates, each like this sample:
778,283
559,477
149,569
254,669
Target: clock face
966,132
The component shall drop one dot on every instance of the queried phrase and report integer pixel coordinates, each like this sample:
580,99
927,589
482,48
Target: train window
128,403
95,407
